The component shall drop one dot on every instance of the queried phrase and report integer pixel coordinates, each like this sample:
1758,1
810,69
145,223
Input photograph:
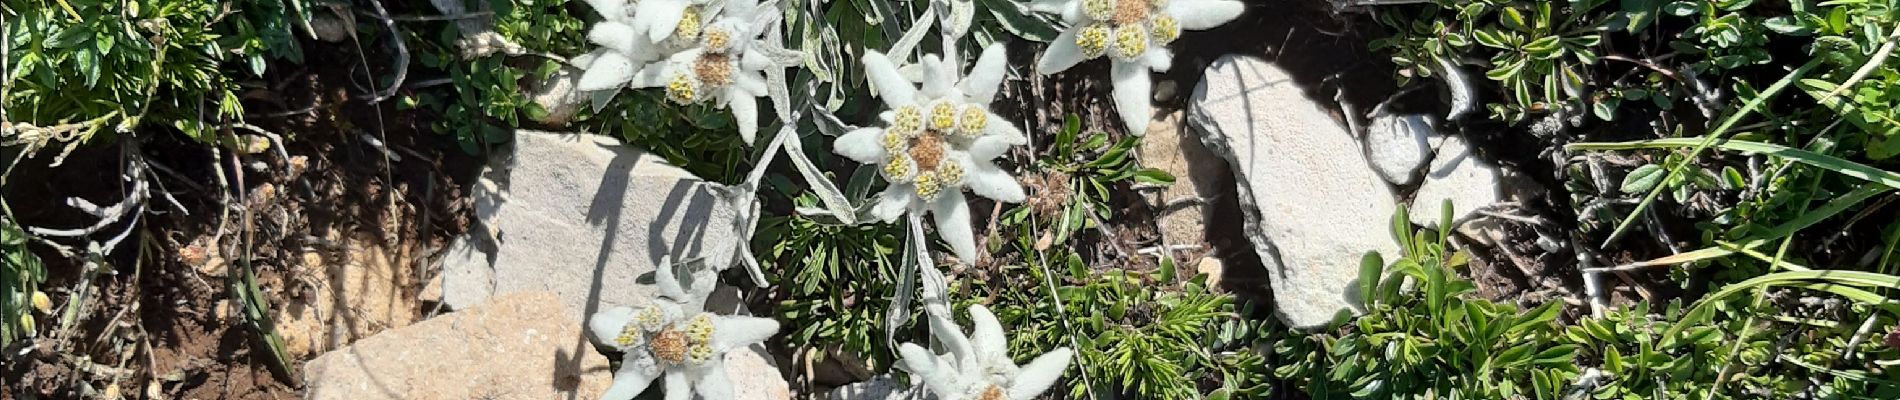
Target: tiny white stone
1397,145
1459,175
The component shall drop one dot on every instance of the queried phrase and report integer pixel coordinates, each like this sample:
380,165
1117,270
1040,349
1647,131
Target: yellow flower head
688,28
974,120
1099,10
1165,29
908,121
950,174
943,116
1093,40
898,169
682,89
1130,43
700,329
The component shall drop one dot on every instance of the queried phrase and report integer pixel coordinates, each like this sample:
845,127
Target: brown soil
336,234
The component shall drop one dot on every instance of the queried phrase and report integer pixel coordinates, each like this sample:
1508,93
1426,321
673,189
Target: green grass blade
1826,280
1747,108
1832,208
1831,163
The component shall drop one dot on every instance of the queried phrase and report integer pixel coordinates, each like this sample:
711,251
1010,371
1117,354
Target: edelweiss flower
674,340
1133,33
722,65
936,142
623,51
979,368
680,19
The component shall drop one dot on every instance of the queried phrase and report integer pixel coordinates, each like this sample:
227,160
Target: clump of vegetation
1434,341
85,68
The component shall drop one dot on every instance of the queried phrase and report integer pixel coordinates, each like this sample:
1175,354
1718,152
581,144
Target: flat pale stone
1312,204
1398,145
586,218
1456,174
508,348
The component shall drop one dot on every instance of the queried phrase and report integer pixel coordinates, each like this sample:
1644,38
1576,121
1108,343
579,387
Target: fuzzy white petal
943,326
745,112
937,80
987,336
925,367
587,59
669,284
609,71
754,60
711,382
659,17
891,85
633,377
732,332
606,325
1131,95
893,202
953,223
987,180
863,145
750,82
614,35
998,137
1159,59
1062,53
986,76
1204,14
677,387
654,75
1036,377
1048,6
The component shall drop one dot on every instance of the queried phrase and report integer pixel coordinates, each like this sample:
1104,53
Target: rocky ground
402,268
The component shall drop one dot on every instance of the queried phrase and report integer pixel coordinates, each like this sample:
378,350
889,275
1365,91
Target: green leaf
88,63
1023,24
1642,178
1680,8
1371,266
69,37
104,44
1787,25
1154,176
1513,19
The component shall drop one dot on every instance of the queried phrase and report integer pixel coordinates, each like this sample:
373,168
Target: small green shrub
78,68
1432,342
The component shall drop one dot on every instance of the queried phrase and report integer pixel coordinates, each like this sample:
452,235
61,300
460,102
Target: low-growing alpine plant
1135,35
674,340
937,141
937,137
978,366
710,51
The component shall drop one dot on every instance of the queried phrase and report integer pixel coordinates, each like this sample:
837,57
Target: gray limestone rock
586,218
1398,145
1458,175
1312,204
